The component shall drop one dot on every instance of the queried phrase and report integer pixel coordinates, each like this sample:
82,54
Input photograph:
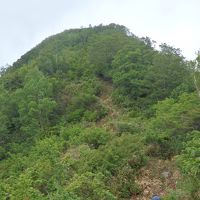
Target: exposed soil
157,177
113,111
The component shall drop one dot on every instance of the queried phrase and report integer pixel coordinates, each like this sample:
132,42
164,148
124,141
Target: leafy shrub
114,155
2,153
133,125
168,129
189,164
123,184
90,186
95,137
189,159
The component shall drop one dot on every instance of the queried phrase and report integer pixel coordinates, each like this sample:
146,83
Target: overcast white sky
25,23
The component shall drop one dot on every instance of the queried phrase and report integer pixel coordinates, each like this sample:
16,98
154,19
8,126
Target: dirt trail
157,177
106,100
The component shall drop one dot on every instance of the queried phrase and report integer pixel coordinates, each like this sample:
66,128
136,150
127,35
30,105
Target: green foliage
3,115
129,69
189,159
170,128
123,184
2,153
102,50
90,186
114,155
95,137
62,194
169,72
133,125
34,102
65,135
188,189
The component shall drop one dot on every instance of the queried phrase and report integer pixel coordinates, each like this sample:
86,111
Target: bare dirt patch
157,177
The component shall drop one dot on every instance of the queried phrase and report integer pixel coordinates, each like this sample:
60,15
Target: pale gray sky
25,23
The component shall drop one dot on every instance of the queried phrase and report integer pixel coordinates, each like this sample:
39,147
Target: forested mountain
86,113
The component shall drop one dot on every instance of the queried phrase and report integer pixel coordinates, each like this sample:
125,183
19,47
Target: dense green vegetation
83,111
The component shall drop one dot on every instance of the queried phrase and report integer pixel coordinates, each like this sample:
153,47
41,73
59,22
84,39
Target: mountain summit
99,113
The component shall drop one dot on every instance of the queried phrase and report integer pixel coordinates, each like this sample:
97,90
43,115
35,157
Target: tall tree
34,102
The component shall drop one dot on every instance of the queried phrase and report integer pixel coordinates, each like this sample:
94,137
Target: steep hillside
99,114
